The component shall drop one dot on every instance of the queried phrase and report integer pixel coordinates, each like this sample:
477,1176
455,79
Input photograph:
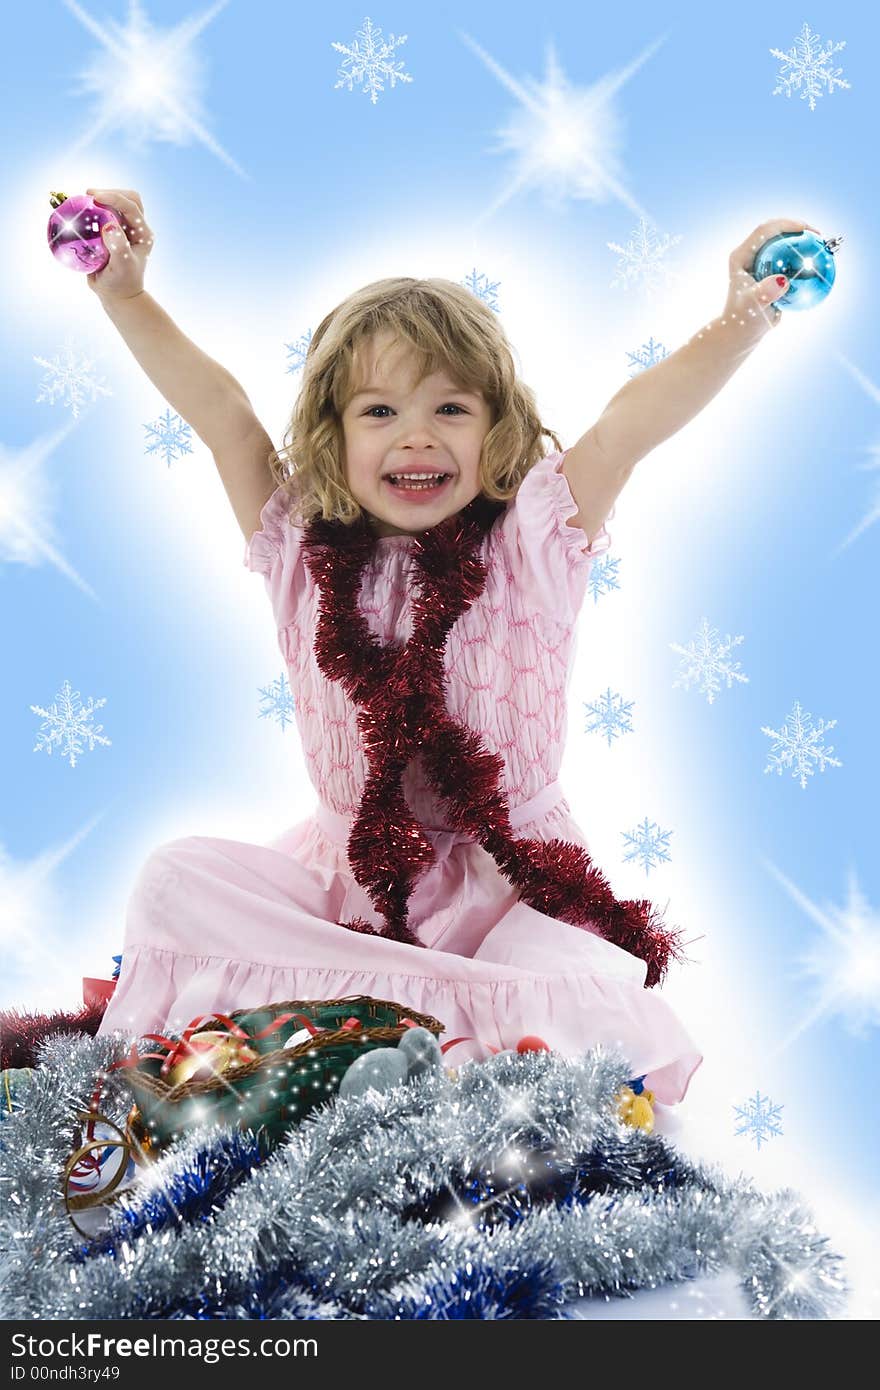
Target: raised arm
660,401
202,392
197,387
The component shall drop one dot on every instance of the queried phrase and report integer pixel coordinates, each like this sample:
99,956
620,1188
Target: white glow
873,392
844,962
26,503
146,81
35,936
564,138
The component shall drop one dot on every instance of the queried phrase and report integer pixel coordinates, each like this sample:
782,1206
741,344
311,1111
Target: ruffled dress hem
162,991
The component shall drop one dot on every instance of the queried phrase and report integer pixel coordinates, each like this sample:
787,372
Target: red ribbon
314,1028
444,1048
88,1164
91,1161
86,1171
183,1046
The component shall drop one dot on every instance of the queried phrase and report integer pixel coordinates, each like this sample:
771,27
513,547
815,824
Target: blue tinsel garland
506,1193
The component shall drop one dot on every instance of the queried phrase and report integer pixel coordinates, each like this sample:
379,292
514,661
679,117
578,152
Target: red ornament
532,1044
75,231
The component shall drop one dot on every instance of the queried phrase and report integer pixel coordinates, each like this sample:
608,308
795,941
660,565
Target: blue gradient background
310,191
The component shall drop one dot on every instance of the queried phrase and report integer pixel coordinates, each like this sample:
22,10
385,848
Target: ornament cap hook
832,243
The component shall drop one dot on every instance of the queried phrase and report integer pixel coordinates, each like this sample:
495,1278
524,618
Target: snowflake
648,843
169,433
298,351
759,1118
603,576
610,716
707,660
808,67
642,257
798,745
648,355
69,721
373,61
69,378
480,286
279,701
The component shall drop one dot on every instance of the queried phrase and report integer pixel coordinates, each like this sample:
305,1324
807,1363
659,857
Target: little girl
426,561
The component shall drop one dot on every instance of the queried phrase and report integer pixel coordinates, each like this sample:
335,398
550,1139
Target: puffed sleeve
275,551
549,559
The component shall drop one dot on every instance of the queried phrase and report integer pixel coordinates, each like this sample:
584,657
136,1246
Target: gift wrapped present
97,991
261,1069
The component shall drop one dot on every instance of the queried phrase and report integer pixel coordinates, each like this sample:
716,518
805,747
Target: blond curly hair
448,328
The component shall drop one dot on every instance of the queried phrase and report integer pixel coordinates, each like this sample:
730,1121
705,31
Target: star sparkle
565,139
844,962
146,81
873,392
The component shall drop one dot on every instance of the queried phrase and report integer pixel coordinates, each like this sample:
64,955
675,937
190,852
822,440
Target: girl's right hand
123,275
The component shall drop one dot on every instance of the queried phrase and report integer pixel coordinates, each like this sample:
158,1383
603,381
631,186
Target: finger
749,299
764,295
125,207
742,284
130,214
743,256
113,237
106,195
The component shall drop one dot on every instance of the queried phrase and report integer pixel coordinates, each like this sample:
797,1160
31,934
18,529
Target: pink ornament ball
532,1044
74,232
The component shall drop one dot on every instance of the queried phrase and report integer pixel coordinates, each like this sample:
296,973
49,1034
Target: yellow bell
636,1111
625,1097
641,1115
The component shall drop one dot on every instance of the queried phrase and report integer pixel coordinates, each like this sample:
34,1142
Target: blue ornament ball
806,260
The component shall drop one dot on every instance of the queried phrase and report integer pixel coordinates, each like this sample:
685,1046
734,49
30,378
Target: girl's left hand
750,304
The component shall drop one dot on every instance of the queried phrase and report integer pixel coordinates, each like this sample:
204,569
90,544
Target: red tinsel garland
21,1033
400,694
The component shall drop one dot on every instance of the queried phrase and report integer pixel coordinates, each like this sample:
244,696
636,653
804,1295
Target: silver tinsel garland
328,1225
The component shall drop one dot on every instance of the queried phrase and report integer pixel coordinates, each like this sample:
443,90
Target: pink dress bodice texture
215,925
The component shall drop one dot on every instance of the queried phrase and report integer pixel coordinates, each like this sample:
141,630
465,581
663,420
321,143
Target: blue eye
371,408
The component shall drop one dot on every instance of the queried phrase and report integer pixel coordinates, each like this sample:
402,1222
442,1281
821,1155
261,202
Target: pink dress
217,925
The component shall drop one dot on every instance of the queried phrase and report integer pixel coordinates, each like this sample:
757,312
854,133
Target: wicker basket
282,1085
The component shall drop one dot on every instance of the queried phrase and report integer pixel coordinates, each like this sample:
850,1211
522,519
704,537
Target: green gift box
274,1091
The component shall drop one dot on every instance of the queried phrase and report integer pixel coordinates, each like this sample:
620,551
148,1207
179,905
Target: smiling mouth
400,483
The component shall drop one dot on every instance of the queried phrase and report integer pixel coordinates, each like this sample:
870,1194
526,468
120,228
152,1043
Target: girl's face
390,425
